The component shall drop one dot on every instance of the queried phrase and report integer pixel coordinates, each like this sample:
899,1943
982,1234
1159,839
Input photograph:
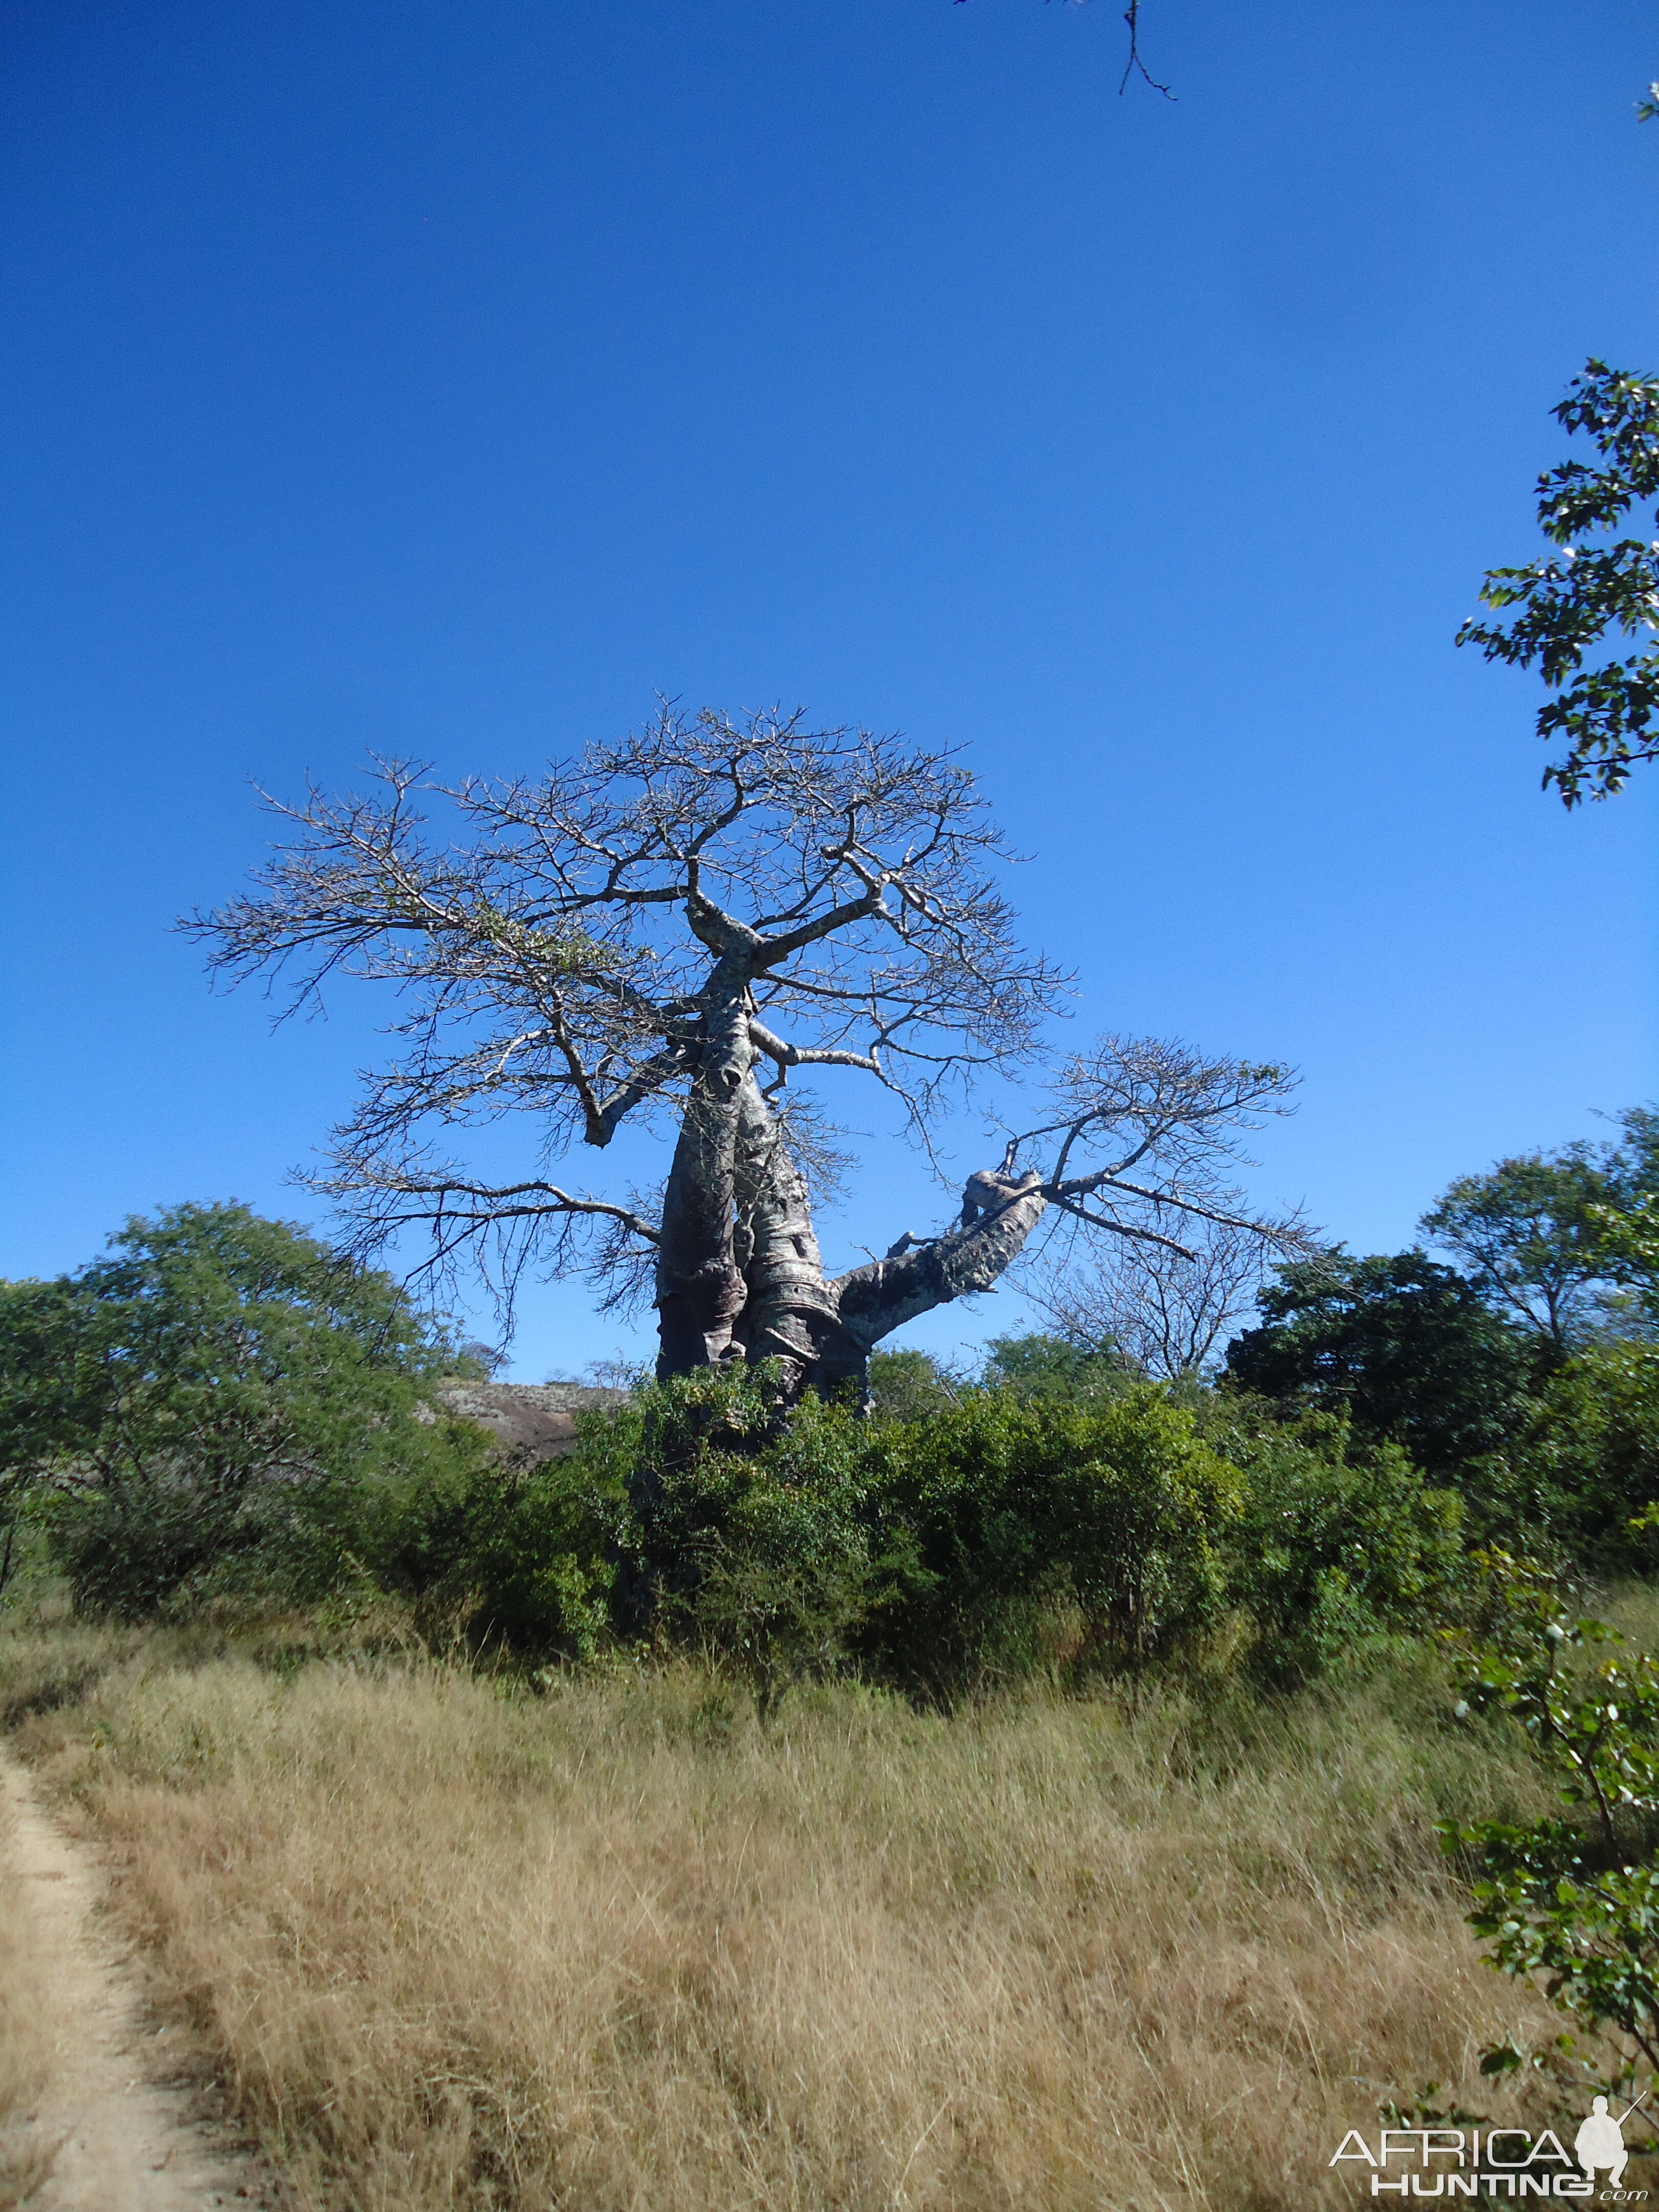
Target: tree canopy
173,1396
1529,1237
1405,1345
1545,1237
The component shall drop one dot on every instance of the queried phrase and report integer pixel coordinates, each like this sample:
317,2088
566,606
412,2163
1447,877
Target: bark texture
700,1286
739,1274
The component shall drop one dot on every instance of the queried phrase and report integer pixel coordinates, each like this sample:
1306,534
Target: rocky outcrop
530,1421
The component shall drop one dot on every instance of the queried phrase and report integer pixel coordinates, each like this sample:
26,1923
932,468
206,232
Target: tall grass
615,1946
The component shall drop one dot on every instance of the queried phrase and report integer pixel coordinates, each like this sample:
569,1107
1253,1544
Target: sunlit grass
459,1944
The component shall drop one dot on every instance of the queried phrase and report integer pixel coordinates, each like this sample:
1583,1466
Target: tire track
117,2134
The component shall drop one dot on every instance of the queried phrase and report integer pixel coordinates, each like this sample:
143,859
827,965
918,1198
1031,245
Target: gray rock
530,1421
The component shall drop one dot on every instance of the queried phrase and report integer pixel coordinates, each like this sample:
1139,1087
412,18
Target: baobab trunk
739,1274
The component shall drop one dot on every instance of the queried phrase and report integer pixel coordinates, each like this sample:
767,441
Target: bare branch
496,1231
1132,17
1179,1120
621,938
791,1055
1170,1314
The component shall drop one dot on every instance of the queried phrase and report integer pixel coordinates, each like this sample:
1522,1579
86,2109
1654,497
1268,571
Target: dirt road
119,2135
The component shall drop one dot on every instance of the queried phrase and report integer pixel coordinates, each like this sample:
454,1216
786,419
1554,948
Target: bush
1004,1517
998,1534
1341,1538
1589,1465
1572,1901
520,1561
995,1535
749,1527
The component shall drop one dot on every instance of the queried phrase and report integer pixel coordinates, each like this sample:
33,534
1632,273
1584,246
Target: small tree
1530,1236
1167,1313
205,1399
1570,1901
667,931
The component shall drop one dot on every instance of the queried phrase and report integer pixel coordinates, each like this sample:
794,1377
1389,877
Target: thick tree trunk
791,1313
739,1272
700,1287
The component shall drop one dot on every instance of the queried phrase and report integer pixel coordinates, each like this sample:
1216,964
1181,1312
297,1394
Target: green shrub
748,1531
516,1560
1589,1465
1004,1532
1341,1538
1571,1900
988,1538
1003,1515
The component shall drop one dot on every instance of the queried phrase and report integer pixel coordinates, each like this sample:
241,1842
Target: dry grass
615,1946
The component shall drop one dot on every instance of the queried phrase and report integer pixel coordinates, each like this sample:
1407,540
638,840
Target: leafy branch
1572,1901
1564,606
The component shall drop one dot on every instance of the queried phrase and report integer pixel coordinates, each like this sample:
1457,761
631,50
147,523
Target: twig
1132,17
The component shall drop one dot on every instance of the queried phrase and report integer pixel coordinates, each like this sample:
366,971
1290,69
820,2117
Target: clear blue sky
446,378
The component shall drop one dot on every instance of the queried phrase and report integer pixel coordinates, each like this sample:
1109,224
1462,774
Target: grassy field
454,1944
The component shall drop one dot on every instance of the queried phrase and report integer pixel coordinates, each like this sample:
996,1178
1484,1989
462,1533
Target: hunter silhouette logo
1601,2141
1498,2162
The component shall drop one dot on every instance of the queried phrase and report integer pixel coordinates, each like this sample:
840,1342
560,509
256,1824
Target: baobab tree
667,931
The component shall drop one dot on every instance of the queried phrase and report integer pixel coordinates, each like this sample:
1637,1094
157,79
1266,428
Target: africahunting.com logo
1484,2161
